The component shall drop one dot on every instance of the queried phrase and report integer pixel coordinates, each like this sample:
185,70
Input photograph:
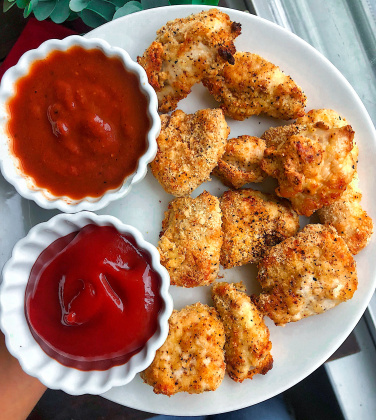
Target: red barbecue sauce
78,123
92,299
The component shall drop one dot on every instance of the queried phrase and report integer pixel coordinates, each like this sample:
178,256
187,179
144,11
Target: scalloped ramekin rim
19,339
8,164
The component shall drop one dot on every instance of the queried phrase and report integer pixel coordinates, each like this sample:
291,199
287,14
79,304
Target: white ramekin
9,164
13,323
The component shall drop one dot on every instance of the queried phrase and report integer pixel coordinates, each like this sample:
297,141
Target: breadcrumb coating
347,216
313,167
191,240
252,222
306,275
328,116
192,358
254,86
240,163
189,147
247,346
185,51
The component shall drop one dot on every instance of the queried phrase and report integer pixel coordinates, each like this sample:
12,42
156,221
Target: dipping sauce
92,299
78,123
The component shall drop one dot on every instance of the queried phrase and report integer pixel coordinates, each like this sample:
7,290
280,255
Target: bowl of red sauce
84,303
78,124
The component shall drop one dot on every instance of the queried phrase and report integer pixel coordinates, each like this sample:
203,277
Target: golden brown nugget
306,275
345,214
185,51
349,219
252,222
189,147
240,163
254,86
328,116
247,346
192,358
313,167
191,240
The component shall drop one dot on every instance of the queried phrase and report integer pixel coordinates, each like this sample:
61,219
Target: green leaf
150,4
127,9
43,9
73,16
8,4
117,3
102,8
22,3
29,8
61,12
78,5
91,18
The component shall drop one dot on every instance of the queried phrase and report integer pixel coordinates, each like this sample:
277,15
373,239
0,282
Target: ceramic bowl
10,165
21,343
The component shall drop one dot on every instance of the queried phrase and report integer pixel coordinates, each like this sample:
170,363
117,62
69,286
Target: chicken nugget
191,240
328,116
306,275
189,147
313,167
252,222
185,51
247,346
192,358
240,163
254,86
347,216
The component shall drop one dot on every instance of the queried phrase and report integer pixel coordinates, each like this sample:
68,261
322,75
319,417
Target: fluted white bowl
21,343
10,165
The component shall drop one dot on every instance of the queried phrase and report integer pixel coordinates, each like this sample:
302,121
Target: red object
92,299
78,123
34,34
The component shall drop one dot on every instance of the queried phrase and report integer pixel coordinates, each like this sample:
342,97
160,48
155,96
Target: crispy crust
247,347
189,147
313,167
192,358
240,163
252,222
306,275
254,86
185,51
347,216
191,240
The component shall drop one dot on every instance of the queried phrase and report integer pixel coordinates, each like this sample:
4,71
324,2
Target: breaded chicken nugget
278,135
240,163
189,147
191,240
306,275
247,346
328,116
313,167
347,216
252,222
254,86
187,50
192,358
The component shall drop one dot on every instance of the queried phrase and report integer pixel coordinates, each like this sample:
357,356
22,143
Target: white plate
298,348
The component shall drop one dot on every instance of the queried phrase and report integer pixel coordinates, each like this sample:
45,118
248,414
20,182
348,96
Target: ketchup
92,299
